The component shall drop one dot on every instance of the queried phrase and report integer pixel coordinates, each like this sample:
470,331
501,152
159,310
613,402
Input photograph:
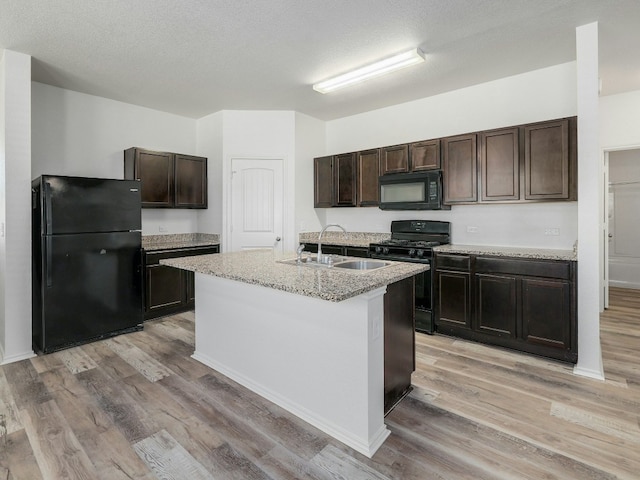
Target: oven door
423,293
424,311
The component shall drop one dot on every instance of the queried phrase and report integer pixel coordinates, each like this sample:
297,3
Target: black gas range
413,241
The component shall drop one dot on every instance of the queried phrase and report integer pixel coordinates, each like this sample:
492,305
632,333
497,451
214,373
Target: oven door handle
402,259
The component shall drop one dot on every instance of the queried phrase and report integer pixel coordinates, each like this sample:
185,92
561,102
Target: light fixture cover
388,65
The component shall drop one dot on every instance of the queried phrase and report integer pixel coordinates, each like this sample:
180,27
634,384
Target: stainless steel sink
329,261
362,264
345,263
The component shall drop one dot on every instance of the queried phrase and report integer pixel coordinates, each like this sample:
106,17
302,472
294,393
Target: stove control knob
412,252
378,249
420,253
385,250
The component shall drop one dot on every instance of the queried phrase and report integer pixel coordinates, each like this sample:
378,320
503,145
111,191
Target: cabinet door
500,165
546,159
165,288
344,168
332,250
399,340
190,283
453,299
395,159
368,173
546,310
424,155
459,169
497,307
190,181
155,172
356,252
323,182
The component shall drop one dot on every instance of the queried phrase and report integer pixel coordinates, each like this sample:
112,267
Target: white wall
209,143
255,135
620,125
534,96
83,135
15,207
310,143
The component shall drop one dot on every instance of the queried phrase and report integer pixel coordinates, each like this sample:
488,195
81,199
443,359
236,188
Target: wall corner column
15,207
590,204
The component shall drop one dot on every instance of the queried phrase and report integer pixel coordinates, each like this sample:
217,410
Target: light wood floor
138,407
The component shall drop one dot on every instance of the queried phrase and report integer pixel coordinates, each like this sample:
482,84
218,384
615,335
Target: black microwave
412,191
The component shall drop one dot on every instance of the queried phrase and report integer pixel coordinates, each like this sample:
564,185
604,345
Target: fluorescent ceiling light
388,65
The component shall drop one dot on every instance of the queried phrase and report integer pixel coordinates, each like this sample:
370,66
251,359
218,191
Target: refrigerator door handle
47,264
47,210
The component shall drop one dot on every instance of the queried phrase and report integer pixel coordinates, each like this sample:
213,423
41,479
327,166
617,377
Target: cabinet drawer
155,256
532,268
453,262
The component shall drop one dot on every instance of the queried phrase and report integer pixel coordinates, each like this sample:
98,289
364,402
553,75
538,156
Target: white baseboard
16,358
621,284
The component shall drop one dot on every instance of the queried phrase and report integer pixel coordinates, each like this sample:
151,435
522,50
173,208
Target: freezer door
91,287
87,205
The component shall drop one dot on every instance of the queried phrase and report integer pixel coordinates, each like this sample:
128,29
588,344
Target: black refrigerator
87,260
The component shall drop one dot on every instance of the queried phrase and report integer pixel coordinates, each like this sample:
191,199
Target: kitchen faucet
319,257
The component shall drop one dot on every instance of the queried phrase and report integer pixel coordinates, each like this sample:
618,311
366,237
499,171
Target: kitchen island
309,339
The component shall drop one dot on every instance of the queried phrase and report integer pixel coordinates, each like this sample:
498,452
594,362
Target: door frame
604,258
288,209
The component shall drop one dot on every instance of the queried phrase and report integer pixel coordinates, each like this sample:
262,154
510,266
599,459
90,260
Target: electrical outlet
552,231
471,229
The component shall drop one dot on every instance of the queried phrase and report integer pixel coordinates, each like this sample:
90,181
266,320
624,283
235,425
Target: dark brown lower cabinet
330,249
454,299
399,341
546,312
170,290
452,290
497,309
524,304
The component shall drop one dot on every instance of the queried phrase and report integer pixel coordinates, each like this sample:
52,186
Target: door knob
278,239
610,235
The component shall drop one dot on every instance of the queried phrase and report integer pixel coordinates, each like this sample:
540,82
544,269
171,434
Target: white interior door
257,191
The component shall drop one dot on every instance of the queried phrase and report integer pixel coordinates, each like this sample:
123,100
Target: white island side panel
322,361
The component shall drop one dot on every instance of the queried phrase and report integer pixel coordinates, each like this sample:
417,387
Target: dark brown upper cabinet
155,170
335,181
395,159
344,180
424,155
368,168
524,163
168,180
190,181
550,160
500,165
323,182
459,162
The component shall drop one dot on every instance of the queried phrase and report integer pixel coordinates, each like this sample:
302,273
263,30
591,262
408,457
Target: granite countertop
519,252
179,240
261,267
349,239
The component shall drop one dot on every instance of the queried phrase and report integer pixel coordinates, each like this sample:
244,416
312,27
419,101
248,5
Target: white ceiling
195,57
